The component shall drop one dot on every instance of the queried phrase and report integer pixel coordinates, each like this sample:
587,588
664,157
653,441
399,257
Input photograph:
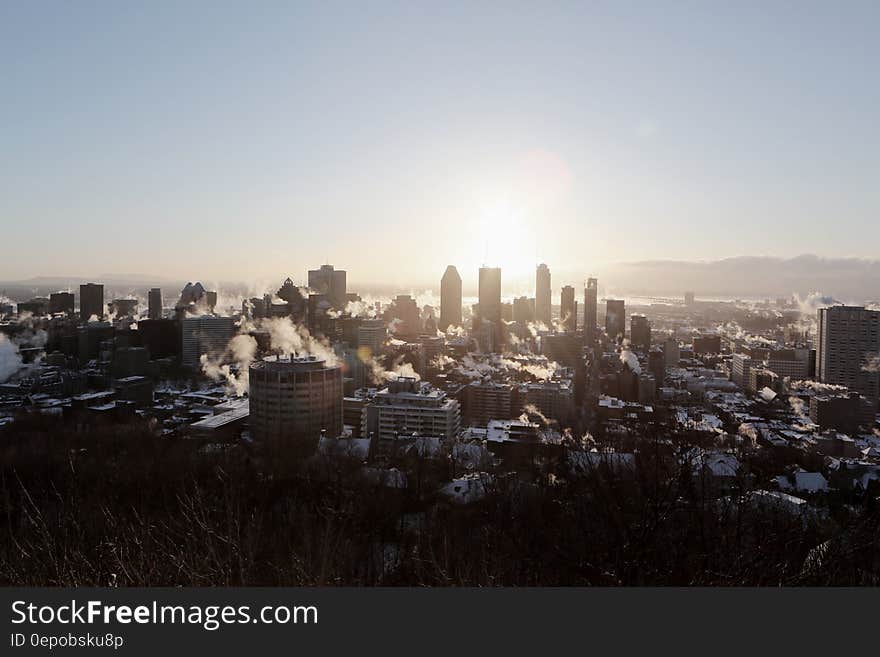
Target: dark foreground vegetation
118,506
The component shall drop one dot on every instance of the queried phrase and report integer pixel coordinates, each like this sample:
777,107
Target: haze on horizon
229,142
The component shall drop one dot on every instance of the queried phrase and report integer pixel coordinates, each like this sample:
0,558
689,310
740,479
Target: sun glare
505,239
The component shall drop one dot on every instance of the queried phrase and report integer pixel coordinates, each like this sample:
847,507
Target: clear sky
251,140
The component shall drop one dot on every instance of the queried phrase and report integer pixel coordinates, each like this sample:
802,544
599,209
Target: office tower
408,407
292,400
296,303
563,348
791,363
568,310
841,411
640,332
204,334
195,299
61,302
615,318
523,310
489,400
89,337
706,344
450,299
848,338
404,317
590,310
554,399
489,304
671,352
122,307
129,361
91,301
330,282
740,366
542,295
161,337
154,304
371,334
38,306
689,298
657,365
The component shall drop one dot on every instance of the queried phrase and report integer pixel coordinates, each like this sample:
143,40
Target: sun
504,238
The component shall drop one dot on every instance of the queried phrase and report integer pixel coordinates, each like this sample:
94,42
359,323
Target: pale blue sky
249,140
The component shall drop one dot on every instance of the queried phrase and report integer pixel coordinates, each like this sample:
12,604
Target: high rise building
847,341
410,407
706,344
450,299
523,310
489,400
568,310
371,334
640,332
154,303
489,303
542,295
404,317
330,282
615,318
590,310
740,366
161,337
295,302
554,399
91,301
194,300
123,307
61,302
657,365
292,400
38,306
671,352
204,334
689,298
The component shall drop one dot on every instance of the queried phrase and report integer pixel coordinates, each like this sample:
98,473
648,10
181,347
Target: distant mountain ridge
852,279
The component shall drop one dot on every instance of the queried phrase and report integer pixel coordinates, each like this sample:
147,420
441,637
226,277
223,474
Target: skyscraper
205,334
91,301
154,304
330,282
542,295
847,341
371,334
489,304
450,299
523,310
640,332
590,310
404,317
615,318
61,302
568,309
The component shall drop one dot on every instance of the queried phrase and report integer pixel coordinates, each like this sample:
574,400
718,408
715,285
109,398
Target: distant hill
848,279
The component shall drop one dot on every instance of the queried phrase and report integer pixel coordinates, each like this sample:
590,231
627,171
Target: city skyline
507,127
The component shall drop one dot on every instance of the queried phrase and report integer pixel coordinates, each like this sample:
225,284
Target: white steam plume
10,359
